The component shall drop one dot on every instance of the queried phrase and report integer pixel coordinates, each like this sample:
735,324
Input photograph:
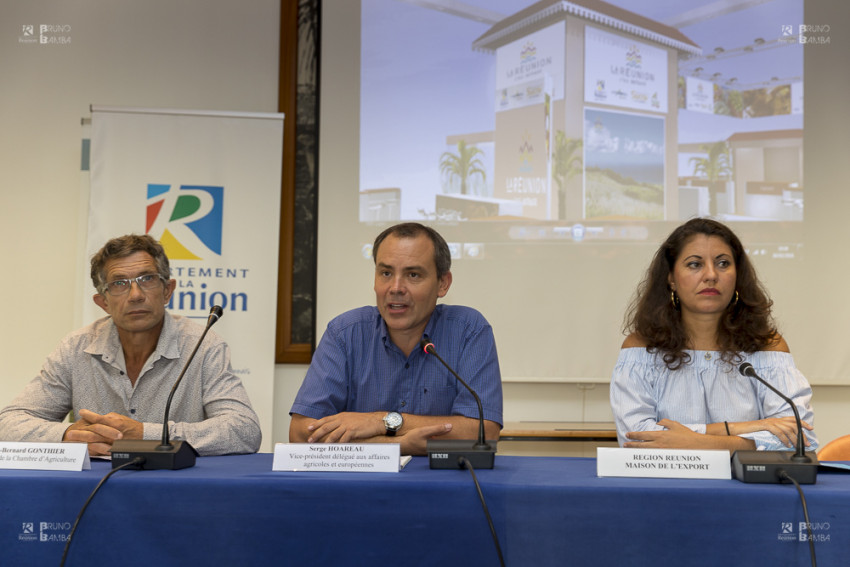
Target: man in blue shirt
369,380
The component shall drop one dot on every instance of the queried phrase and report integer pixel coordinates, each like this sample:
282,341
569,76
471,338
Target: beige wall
191,54
205,54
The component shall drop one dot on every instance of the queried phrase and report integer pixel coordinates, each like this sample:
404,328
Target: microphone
450,453
169,455
774,466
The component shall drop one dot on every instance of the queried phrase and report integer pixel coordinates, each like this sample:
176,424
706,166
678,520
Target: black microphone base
447,453
180,455
764,467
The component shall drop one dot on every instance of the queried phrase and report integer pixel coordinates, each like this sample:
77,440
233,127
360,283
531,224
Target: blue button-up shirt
358,368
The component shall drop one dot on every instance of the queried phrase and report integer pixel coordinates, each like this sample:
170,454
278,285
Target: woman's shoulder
634,341
777,344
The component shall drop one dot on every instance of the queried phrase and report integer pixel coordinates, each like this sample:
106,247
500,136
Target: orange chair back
836,450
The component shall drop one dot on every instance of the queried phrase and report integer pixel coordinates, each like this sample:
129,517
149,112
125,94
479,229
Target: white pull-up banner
207,186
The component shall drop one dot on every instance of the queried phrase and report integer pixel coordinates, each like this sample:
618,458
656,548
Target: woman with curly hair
698,314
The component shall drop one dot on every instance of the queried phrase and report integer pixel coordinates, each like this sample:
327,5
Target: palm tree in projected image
566,163
462,165
717,165
716,168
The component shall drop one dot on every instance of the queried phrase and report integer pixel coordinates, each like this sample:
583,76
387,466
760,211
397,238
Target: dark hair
747,325
123,246
442,256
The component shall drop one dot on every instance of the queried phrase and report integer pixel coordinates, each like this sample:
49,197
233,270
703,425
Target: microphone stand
772,466
453,453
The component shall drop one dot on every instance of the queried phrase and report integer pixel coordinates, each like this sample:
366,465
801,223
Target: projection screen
556,144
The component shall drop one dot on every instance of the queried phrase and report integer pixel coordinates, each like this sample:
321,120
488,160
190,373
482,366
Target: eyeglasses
146,282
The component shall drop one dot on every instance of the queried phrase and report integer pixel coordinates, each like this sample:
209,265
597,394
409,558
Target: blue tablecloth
547,511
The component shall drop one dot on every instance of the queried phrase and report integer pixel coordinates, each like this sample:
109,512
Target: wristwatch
393,422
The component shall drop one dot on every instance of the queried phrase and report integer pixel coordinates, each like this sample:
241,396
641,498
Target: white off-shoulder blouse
706,390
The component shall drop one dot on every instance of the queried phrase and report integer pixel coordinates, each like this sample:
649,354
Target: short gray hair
123,246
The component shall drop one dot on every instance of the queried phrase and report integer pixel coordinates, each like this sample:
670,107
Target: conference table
234,510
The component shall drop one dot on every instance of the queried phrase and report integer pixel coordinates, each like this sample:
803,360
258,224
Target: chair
836,450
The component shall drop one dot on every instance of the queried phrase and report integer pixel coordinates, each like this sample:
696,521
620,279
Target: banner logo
186,220
526,153
528,52
633,57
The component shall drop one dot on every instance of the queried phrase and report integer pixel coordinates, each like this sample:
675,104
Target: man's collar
109,342
429,327
106,338
168,345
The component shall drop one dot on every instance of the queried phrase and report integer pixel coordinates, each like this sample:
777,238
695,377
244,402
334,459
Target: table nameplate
44,456
663,463
352,457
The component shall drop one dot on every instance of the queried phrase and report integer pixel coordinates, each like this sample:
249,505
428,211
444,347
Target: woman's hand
675,436
784,428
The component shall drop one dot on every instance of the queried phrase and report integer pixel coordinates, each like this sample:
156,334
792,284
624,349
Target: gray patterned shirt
210,408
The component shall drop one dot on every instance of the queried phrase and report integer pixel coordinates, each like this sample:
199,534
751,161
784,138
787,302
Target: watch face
393,421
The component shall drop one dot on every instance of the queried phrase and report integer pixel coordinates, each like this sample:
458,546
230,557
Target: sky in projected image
641,149
422,82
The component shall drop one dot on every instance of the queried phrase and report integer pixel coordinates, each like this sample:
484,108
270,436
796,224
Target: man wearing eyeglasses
116,374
